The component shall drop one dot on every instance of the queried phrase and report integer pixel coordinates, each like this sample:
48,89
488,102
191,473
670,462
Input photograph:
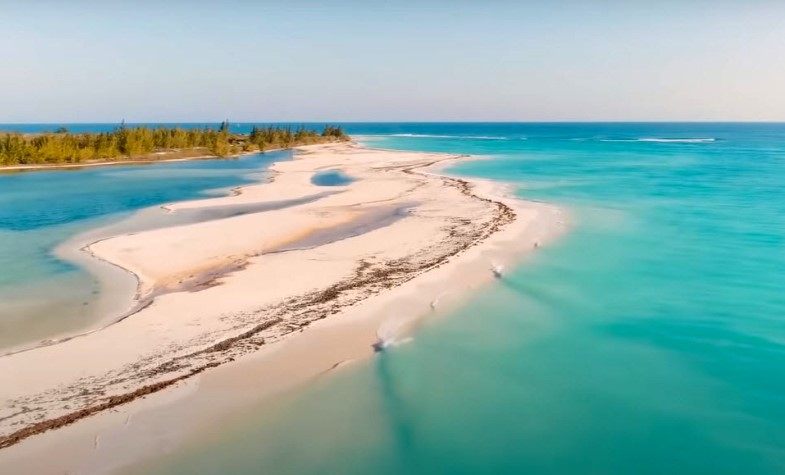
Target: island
140,143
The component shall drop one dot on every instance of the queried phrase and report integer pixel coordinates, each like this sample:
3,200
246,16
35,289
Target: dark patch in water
331,178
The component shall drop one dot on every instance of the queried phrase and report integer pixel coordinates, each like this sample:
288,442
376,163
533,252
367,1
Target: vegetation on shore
125,143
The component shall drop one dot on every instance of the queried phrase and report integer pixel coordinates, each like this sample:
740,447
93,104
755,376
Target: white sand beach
246,307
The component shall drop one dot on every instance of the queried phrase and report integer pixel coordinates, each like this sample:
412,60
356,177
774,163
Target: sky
427,60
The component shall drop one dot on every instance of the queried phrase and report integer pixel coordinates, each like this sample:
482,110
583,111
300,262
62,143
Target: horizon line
407,122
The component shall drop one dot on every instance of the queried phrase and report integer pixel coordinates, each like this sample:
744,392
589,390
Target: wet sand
283,294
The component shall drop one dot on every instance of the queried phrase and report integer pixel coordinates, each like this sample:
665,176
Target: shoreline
145,161
132,161
387,278
128,296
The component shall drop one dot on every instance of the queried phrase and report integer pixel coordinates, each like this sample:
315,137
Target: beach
391,238
247,306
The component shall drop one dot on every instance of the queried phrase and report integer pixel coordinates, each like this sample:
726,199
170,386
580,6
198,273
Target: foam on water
687,140
660,140
463,137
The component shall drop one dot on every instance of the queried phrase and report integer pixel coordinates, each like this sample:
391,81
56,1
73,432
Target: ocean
649,339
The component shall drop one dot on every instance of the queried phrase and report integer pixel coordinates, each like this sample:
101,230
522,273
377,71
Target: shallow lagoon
41,294
648,340
331,178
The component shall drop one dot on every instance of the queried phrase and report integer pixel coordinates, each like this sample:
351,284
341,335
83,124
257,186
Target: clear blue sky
82,61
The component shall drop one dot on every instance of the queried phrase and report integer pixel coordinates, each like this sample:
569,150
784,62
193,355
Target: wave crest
687,140
468,137
664,140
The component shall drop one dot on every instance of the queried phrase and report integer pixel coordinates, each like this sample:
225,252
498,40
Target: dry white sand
263,302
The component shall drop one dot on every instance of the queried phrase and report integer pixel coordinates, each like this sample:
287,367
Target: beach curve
234,313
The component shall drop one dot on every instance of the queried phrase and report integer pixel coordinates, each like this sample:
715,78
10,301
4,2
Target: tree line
137,142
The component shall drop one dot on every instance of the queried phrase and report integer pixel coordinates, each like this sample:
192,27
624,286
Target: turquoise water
651,339
40,294
331,178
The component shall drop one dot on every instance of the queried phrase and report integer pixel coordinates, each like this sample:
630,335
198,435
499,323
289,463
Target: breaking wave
664,140
467,137
696,140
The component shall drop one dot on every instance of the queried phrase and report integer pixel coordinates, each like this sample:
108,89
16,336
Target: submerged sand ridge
226,287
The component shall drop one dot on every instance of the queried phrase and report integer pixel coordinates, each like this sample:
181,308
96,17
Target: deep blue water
650,339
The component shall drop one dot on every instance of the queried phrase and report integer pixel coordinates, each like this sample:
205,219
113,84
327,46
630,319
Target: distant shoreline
138,161
62,149
106,163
